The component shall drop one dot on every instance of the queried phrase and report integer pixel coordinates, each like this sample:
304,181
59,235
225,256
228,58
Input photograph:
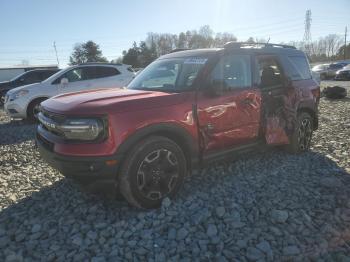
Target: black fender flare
175,132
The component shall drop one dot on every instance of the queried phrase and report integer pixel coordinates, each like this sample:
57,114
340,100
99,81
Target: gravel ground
270,206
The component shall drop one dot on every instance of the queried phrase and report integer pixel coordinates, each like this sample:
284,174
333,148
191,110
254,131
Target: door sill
232,152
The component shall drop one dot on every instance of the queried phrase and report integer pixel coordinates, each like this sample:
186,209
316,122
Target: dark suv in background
184,110
29,77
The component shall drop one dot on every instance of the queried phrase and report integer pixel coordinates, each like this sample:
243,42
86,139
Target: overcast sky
29,27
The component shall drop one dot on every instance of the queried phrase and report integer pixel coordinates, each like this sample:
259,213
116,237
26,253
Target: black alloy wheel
152,170
157,174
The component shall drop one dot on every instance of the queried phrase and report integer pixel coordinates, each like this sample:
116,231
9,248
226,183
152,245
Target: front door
232,117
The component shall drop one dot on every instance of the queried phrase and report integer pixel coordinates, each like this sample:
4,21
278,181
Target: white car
23,102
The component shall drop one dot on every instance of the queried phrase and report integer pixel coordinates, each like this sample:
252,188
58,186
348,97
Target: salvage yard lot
271,206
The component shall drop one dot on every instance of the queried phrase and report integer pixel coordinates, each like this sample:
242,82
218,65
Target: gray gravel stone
36,228
279,216
291,251
212,230
181,234
254,254
14,258
220,211
166,202
331,182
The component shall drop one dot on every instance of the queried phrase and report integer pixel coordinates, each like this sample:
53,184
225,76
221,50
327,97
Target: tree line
328,48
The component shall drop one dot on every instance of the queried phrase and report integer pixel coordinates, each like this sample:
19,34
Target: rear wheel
301,138
33,109
153,169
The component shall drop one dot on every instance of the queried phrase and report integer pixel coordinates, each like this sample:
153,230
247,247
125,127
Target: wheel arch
40,98
311,112
173,132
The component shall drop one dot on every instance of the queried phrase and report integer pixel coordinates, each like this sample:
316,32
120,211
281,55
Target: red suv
185,109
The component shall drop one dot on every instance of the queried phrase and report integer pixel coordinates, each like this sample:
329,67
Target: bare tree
331,44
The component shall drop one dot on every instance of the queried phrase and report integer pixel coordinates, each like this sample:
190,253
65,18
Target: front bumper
15,110
86,170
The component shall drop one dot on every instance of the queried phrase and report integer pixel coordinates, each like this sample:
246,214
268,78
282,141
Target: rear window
300,68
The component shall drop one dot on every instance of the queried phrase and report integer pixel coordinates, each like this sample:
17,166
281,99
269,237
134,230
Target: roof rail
100,63
255,45
178,50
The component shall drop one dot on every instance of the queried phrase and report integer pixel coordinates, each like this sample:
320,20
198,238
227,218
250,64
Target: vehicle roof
246,50
41,70
102,64
192,52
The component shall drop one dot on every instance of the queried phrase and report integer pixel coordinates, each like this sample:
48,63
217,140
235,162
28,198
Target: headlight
82,129
18,94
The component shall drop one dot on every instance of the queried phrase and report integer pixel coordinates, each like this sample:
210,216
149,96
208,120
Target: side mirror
216,88
64,81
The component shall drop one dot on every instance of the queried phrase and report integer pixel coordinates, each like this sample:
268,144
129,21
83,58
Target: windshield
55,75
19,76
173,74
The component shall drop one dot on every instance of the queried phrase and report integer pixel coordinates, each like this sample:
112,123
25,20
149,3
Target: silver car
23,102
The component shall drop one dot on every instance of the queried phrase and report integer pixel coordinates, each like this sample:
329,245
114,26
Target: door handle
210,127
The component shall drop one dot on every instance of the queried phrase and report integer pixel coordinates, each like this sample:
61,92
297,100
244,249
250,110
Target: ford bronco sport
185,109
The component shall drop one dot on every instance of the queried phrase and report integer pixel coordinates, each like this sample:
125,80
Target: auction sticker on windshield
196,60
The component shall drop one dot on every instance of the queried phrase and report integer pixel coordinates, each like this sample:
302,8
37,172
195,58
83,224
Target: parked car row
26,78
331,71
184,110
23,102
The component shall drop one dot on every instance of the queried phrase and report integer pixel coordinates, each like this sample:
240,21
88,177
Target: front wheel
301,138
154,169
34,109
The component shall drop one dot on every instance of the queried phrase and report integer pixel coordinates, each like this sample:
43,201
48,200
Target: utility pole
346,32
307,34
58,62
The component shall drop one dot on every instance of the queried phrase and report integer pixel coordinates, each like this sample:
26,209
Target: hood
111,100
27,87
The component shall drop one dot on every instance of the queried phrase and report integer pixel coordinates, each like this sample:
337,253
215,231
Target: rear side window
105,71
300,69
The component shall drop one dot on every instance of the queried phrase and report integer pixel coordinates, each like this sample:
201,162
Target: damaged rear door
278,114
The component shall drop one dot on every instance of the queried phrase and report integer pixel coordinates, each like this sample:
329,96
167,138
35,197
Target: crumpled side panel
279,116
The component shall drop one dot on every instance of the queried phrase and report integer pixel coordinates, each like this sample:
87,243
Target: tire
32,109
301,138
145,172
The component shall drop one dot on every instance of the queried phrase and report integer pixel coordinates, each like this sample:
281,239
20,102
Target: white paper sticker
196,60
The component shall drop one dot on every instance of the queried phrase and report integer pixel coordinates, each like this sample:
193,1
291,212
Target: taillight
316,92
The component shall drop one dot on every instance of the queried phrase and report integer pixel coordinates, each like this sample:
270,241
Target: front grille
53,118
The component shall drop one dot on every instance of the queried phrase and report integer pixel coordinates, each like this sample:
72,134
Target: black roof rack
255,45
179,49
